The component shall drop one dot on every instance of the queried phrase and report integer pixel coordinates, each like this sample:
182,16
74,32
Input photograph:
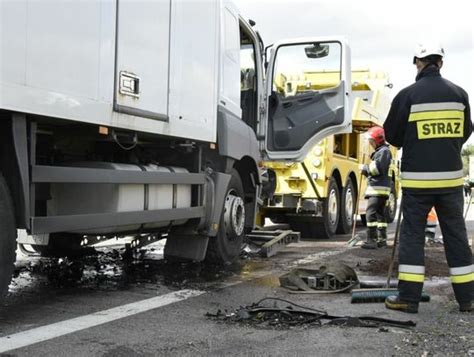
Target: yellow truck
318,196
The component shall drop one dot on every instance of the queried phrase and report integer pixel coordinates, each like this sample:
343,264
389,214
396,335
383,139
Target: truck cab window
339,144
248,80
296,74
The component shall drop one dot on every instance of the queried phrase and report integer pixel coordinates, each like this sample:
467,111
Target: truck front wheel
7,237
226,246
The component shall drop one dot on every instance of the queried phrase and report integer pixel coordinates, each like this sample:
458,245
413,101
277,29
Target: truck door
308,89
142,58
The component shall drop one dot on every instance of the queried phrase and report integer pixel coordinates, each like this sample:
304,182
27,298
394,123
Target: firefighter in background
431,120
430,230
378,189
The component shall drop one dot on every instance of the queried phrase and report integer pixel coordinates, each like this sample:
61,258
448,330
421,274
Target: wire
291,303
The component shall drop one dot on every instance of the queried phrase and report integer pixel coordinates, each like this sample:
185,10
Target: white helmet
429,49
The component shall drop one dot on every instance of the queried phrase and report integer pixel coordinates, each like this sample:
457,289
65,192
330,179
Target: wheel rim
332,207
234,215
349,205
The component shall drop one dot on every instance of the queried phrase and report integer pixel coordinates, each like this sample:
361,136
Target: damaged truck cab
148,119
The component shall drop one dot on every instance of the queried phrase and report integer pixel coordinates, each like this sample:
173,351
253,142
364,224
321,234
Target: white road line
47,332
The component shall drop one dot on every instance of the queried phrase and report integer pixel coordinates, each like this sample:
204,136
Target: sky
382,34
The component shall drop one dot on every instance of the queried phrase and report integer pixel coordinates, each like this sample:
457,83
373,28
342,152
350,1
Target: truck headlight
314,176
316,163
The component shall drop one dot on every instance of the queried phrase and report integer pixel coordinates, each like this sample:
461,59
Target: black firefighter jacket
430,120
377,172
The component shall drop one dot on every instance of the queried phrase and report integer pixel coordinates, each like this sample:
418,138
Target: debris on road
271,315
331,278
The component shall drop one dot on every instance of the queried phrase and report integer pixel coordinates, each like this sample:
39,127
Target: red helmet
377,134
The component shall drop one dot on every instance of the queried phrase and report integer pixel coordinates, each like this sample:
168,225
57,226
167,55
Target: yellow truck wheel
320,227
326,228
391,204
348,202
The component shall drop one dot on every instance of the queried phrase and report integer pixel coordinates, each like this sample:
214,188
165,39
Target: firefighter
430,230
431,121
378,189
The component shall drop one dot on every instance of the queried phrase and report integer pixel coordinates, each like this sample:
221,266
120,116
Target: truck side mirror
316,50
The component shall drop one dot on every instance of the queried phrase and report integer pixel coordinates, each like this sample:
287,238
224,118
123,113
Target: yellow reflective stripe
433,129
460,279
373,168
432,183
415,278
371,224
382,225
441,114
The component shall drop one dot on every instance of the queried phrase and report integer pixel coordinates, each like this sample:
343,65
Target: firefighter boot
371,242
382,237
394,302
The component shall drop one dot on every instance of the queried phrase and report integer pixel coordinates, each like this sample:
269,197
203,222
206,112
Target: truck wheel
226,246
348,202
7,237
331,207
391,204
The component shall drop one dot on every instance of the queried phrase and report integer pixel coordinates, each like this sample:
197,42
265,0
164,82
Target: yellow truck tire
320,227
391,204
347,207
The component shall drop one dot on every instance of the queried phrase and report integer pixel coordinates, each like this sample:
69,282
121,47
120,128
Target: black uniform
377,192
431,120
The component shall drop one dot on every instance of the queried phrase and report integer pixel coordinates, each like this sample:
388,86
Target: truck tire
331,207
226,246
348,202
7,237
391,209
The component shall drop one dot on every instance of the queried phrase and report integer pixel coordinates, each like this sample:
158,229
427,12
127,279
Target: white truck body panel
229,86
194,69
58,60
143,37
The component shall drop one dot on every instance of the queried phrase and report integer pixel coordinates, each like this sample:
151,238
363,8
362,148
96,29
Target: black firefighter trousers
376,218
449,207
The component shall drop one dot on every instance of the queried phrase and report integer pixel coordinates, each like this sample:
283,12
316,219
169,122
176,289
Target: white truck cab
149,118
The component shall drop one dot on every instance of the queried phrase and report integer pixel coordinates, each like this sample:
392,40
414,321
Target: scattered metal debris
274,315
270,242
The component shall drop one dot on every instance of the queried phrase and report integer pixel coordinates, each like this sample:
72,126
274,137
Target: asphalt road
148,308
